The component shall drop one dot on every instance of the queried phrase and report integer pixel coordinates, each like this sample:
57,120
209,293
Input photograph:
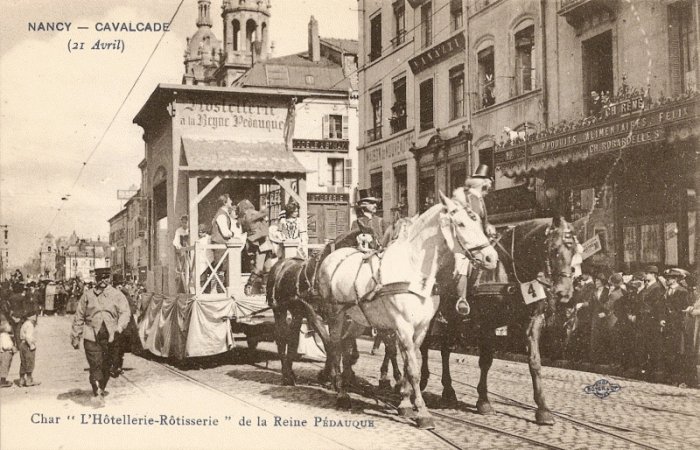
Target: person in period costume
288,227
367,220
182,253
224,227
259,250
103,313
476,187
676,302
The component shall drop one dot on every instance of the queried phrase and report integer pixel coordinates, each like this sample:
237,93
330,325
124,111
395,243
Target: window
398,109
456,14
597,70
487,78
339,172
457,92
376,186
399,23
426,20
426,105
375,99
401,192
524,69
682,47
335,126
426,190
375,37
486,156
458,174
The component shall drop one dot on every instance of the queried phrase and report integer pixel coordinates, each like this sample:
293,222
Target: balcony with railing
374,134
399,39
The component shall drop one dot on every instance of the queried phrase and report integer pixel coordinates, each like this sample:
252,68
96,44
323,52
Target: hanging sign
532,291
591,247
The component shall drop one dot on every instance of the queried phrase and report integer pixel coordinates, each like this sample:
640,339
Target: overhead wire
109,126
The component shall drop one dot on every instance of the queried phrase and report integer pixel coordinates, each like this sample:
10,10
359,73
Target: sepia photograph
349,224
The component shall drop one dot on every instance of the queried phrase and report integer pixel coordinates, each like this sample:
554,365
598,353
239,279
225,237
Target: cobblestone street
247,384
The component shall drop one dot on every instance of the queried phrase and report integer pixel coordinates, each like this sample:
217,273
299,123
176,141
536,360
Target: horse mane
420,222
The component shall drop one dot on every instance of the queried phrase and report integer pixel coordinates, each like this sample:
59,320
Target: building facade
580,107
118,242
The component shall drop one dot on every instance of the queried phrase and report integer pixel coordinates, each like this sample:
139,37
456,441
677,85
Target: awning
663,122
235,156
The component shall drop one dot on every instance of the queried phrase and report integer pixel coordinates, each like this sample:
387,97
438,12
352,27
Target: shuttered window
426,105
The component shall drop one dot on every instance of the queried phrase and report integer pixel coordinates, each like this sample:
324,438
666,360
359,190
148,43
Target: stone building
580,107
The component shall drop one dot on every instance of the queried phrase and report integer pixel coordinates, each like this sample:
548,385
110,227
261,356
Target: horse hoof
344,402
425,423
384,384
484,408
544,417
449,395
405,411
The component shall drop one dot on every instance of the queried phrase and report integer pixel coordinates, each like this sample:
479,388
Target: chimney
314,42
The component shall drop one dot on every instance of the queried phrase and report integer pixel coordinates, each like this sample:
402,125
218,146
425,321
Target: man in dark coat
676,300
649,315
367,219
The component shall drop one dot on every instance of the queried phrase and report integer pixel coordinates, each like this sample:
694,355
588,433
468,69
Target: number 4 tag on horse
532,291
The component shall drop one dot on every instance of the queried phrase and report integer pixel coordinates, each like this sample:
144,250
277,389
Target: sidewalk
58,413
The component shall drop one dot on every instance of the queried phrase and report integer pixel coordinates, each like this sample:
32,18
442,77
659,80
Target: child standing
27,351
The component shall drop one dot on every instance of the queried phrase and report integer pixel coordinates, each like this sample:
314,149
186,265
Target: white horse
394,291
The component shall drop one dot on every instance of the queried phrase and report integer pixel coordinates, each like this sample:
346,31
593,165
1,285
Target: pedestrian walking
103,313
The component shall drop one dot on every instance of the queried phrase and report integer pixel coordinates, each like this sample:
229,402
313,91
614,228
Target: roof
164,94
346,45
234,156
296,72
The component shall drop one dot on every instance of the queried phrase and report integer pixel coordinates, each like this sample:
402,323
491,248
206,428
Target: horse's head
562,247
464,234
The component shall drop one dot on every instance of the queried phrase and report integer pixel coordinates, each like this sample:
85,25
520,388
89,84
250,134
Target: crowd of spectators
647,324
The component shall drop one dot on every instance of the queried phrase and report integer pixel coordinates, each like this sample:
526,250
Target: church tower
203,49
246,37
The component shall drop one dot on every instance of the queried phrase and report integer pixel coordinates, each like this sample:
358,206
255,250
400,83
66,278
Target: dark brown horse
525,252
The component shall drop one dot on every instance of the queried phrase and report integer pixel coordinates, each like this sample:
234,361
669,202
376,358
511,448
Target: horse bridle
466,250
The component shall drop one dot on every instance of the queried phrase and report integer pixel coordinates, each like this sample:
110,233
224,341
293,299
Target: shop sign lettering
387,150
231,114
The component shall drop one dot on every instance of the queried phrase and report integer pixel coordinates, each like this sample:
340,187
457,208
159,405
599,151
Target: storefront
390,169
630,178
443,165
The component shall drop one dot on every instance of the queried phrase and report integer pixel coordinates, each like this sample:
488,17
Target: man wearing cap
367,220
652,301
103,313
676,301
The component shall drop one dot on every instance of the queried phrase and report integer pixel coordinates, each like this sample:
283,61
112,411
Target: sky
56,104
